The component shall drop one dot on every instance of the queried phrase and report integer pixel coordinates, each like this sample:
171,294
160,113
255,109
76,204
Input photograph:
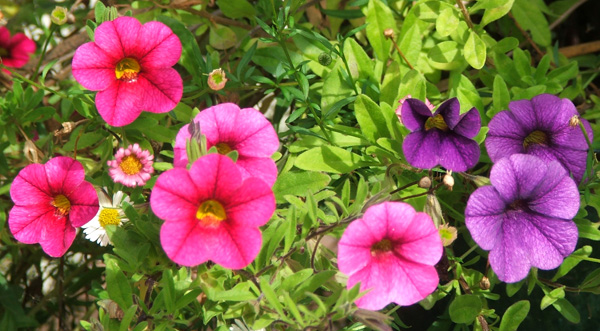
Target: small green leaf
500,97
329,159
446,22
236,8
380,18
475,51
99,9
529,15
299,183
221,37
567,309
495,13
117,285
514,315
271,296
445,55
572,260
370,119
465,308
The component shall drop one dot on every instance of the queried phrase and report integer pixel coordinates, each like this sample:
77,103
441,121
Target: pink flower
210,213
15,51
229,128
51,200
130,64
391,251
132,166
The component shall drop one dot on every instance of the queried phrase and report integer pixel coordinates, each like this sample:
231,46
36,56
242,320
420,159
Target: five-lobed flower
15,50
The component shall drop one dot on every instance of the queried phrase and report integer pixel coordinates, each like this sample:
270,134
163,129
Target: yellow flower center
130,165
109,216
385,245
437,122
536,137
62,205
223,148
127,70
211,212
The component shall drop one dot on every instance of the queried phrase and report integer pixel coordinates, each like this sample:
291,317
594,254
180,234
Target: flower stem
43,54
465,13
589,143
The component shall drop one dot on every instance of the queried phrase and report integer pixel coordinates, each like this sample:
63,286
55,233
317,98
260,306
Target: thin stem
589,143
586,258
526,35
401,54
471,250
43,54
465,13
341,48
404,187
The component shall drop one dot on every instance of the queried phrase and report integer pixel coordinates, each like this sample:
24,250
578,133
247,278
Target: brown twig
566,14
526,35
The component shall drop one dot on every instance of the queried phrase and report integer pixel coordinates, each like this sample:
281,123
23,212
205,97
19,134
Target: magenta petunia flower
15,51
391,251
229,128
524,218
130,64
540,127
210,213
132,166
51,200
443,137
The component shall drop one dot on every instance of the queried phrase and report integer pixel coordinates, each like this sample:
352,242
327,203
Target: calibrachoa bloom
443,137
391,251
401,102
130,64
210,213
229,128
524,218
540,127
51,200
110,213
132,166
15,51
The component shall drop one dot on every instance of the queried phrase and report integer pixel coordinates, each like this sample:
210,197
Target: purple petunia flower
540,127
524,218
442,137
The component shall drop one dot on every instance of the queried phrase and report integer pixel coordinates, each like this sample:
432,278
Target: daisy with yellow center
110,213
132,166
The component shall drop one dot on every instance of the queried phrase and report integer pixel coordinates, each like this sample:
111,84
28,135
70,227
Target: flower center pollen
109,216
437,122
536,137
211,212
127,70
130,165
223,148
62,204
383,246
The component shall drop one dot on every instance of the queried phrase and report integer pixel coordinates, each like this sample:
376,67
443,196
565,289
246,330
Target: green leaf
495,13
410,44
99,9
236,8
361,66
313,283
430,10
551,297
475,51
446,22
587,229
413,83
528,14
337,89
329,159
380,18
445,55
221,37
572,260
239,293
370,119
127,318
514,315
293,281
465,308
567,309
117,285
191,57
299,184
267,290
500,97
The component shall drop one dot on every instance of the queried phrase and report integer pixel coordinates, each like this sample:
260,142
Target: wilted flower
524,218
217,79
130,64
391,251
448,234
211,213
110,213
132,166
51,200
59,15
443,137
15,51
540,127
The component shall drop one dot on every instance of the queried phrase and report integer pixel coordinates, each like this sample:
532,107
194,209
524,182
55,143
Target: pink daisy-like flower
391,251
210,213
15,51
229,128
132,166
130,64
51,200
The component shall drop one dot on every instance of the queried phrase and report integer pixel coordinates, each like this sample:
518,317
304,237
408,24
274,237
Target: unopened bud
448,234
388,33
574,121
434,209
481,181
484,283
32,153
59,15
425,182
324,59
217,79
448,180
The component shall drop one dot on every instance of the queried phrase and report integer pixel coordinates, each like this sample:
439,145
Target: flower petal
557,195
421,242
162,89
251,205
93,68
509,260
118,37
236,247
57,236
572,137
219,123
484,216
180,158
414,114
518,176
469,124
120,103
30,187
64,174
260,167
506,136
450,111
157,46
215,177
84,204
258,137
553,113
421,148
26,223
175,203
525,114
458,153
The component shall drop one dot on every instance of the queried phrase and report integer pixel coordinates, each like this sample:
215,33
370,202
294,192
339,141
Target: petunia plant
299,165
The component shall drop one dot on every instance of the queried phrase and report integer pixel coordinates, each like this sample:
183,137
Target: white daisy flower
110,213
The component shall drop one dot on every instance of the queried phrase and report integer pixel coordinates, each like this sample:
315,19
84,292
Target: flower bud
67,127
388,33
484,283
425,182
59,15
448,180
217,79
574,121
434,209
32,153
324,59
448,234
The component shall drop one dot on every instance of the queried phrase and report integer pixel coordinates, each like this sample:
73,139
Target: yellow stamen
385,245
131,165
437,122
62,204
211,212
223,148
127,70
109,216
536,137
